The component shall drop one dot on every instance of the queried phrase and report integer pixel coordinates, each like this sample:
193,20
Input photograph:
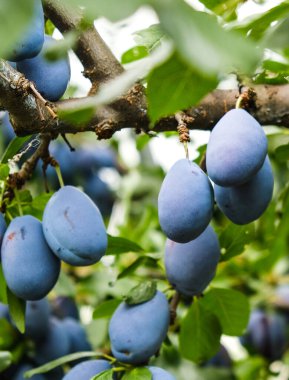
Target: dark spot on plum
23,233
195,173
67,218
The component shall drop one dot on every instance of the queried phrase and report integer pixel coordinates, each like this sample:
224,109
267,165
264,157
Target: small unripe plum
245,203
29,266
190,267
50,77
160,374
31,43
87,369
37,315
73,227
137,331
19,375
185,202
236,150
55,344
266,335
76,334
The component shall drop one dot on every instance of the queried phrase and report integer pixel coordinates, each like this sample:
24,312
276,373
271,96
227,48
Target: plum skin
266,334
37,315
55,344
190,267
33,38
87,369
73,227
245,203
29,266
236,149
137,331
50,77
185,202
160,374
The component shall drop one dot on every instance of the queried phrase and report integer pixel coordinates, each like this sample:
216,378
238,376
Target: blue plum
100,193
50,77
221,359
160,374
37,315
63,306
3,227
7,129
87,369
245,203
185,202
236,149
190,267
73,227
266,335
4,311
29,266
19,375
90,158
55,344
137,331
76,334
33,37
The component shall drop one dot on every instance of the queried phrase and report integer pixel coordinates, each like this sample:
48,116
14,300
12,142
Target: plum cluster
238,164
28,57
47,336
72,231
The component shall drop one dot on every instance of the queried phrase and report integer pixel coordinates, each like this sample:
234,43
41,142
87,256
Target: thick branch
30,115
98,61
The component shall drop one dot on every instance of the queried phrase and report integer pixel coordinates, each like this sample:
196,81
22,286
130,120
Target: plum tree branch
98,61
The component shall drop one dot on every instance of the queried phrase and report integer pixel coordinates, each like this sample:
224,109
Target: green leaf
5,360
143,292
137,263
77,116
104,375
150,37
233,240
224,8
60,361
58,49
17,310
140,373
108,8
8,334
282,153
134,54
118,245
277,36
4,171
257,26
175,86
3,287
13,148
106,309
231,307
13,27
202,42
200,334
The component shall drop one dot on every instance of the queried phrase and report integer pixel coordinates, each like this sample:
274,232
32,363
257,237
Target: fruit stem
18,201
239,102
59,175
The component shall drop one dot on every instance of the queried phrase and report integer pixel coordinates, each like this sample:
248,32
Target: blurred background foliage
123,176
